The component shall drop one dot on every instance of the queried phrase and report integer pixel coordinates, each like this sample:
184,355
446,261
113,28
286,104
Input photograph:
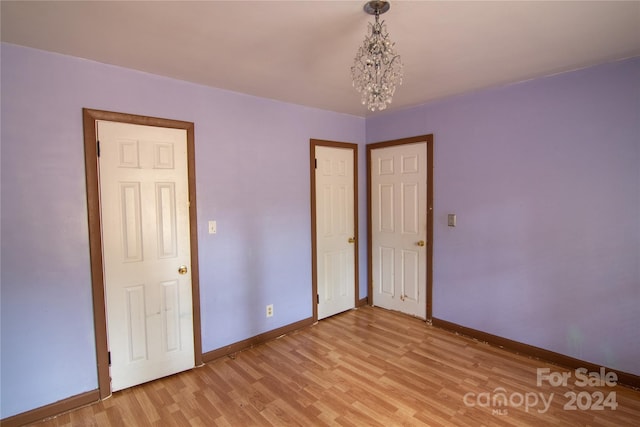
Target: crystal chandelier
377,68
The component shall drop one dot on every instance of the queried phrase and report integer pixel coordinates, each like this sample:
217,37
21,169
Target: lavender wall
252,177
544,179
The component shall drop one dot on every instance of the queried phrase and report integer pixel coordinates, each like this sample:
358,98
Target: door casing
429,245
90,117
314,251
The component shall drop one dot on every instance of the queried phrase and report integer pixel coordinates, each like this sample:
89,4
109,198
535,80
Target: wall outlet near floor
270,310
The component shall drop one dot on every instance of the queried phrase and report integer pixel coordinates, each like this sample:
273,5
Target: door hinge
109,357
315,163
98,148
317,298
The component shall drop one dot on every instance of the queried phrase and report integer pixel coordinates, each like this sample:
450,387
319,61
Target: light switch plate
213,227
451,220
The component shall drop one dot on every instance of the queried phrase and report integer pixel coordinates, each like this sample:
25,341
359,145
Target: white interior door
335,233
399,227
145,234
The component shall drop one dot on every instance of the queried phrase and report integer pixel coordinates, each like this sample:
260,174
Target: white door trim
314,252
90,117
429,244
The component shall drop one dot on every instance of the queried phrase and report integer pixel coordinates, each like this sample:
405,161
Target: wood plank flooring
365,367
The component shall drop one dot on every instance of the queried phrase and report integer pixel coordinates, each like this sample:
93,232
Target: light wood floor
365,367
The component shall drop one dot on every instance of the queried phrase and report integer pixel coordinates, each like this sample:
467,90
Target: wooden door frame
89,119
313,143
429,253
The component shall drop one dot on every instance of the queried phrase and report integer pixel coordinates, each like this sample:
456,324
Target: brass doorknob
352,239
182,269
420,243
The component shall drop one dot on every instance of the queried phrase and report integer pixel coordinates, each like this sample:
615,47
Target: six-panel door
146,251
335,231
399,227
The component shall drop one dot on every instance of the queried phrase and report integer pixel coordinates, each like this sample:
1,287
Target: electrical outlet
270,310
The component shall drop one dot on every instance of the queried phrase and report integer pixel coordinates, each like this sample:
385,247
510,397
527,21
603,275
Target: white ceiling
302,51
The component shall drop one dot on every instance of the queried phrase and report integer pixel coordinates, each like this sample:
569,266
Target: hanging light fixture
377,68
